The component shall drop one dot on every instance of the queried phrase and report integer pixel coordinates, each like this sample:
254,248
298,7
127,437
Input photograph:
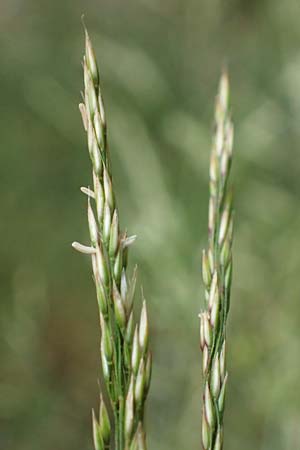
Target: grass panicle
125,356
217,273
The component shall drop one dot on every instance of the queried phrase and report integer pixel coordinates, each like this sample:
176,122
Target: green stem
116,428
121,422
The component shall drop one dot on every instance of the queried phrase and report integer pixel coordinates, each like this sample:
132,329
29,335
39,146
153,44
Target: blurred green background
160,63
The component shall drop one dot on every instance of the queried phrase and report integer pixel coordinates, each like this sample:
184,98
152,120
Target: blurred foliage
160,62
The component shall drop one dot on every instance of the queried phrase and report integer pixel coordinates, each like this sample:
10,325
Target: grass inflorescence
217,273
125,356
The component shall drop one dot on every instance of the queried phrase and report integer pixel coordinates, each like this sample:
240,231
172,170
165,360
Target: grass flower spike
217,271
125,355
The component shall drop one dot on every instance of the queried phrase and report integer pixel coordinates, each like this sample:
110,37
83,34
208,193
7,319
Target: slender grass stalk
217,272
125,357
